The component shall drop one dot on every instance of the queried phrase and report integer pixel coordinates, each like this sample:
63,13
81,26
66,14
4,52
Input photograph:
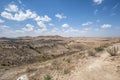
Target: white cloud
24,15
65,25
60,16
87,23
98,1
28,27
51,24
12,8
106,26
20,16
69,30
2,21
41,20
37,18
29,30
41,24
45,18
6,15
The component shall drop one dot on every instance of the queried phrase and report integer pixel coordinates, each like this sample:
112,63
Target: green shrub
113,51
98,49
48,77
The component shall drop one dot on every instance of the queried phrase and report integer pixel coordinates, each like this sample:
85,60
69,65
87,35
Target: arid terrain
59,58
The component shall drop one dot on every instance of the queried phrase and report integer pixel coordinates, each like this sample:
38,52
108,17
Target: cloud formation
28,27
65,25
51,24
97,1
41,20
87,23
104,26
20,15
60,16
11,8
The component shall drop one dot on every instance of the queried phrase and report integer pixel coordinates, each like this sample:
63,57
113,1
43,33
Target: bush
98,49
47,77
113,51
91,53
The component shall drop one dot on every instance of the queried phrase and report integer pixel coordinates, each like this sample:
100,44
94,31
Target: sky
69,18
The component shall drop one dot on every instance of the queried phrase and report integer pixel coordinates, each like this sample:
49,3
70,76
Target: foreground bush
113,51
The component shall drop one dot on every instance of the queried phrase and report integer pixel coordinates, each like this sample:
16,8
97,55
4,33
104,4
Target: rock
23,77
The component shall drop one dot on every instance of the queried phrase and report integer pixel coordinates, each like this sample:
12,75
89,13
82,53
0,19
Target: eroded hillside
59,57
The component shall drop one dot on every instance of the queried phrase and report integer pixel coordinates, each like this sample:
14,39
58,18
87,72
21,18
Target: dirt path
94,68
97,68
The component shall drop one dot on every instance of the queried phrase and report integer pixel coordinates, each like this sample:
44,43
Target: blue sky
73,18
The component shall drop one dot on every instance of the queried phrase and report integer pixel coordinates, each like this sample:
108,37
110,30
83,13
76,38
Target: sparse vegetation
47,77
113,51
98,49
